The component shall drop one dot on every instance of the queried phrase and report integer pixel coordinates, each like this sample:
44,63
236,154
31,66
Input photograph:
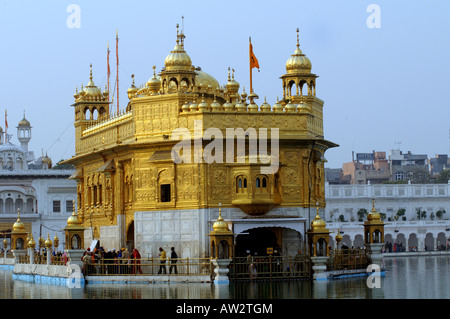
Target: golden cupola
232,86
132,90
90,92
220,226
373,215
178,59
318,223
18,225
24,122
73,220
154,84
298,63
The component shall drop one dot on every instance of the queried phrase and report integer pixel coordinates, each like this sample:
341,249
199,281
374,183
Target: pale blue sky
380,86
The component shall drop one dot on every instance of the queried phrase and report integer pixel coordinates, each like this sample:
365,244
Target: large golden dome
205,80
178,59
298,63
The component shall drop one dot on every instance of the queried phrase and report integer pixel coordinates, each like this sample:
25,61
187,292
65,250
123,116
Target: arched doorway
257,240
413,242
429,242
130,236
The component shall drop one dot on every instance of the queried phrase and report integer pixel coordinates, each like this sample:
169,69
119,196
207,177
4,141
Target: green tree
421,214
361,214
439,213
443,177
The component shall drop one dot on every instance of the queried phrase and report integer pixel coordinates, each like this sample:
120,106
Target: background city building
399,167
41,192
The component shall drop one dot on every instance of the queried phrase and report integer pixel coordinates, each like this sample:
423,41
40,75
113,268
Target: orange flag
253,60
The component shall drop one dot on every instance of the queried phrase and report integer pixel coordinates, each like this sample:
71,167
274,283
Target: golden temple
133,190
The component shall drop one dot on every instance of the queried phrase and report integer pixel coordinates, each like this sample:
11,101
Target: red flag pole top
117,71
107,61
253,63
6,126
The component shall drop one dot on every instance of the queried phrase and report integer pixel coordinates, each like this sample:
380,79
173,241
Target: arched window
258,182
75,242
19,243
264,182
245,183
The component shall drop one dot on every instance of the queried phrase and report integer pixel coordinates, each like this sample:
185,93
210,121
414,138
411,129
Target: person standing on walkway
173,261
162,260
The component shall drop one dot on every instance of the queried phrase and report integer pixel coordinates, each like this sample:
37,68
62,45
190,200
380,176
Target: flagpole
6,126
107,59
250,61
117,71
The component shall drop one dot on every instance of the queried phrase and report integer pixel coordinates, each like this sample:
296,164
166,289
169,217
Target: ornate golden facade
124,161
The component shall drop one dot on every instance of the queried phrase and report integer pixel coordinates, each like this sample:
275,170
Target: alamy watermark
374,279
75,275
74,19
214,152
374,19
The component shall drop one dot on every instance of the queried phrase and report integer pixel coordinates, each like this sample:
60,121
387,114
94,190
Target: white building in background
430,231
44,196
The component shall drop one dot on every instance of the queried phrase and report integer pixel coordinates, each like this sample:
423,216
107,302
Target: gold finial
154,70
232,74
298,42
229,74
132,76
90,73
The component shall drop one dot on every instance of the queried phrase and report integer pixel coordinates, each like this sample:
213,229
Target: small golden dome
31,242
253,107
46,159
232,85
132,90
318,223
91,91
220,226
265,106
303,107
48,241
338,236
24,122
154,84
290,107
185,107
203,106
18,225
76,95
105,91
215,106
240,106
73,220
298,62
244,94
373,215
277,107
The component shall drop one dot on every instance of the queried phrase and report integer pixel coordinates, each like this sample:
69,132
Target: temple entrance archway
130,237
284,241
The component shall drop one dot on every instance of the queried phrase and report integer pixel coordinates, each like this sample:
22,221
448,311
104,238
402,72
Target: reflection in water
405,278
